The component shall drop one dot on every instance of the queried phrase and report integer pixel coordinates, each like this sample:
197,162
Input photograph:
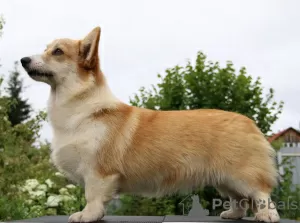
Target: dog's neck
70,106
87,94
77,103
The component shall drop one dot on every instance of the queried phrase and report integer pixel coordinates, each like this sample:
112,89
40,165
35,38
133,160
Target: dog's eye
57,52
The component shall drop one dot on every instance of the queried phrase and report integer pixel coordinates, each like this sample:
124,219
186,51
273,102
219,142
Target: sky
142,38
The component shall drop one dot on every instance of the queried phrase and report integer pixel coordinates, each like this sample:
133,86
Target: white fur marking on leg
266,209
98,192
238,209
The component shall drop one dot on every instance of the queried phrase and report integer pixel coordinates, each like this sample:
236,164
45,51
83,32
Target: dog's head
66,60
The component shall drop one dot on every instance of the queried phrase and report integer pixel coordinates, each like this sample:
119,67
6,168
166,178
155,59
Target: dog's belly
160,190
160,185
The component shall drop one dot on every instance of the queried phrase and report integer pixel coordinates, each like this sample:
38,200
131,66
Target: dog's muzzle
32,71
25,61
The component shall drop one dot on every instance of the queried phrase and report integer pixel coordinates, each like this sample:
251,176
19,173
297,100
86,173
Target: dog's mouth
35,73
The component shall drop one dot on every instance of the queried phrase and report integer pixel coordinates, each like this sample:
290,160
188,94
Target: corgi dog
111,148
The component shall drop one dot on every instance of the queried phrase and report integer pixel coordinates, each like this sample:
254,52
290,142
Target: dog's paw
267,216
230,214
86,216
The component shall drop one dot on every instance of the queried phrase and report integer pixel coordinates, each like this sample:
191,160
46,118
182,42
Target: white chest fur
78,137
77,141
74,153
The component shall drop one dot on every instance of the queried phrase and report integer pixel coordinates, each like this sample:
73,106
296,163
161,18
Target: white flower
53,200
67,198
63,191
29,201
30,184
59,174
37,194
49,183
23,189
70,186
42,187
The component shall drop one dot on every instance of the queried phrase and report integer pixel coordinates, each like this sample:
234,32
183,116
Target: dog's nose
25,61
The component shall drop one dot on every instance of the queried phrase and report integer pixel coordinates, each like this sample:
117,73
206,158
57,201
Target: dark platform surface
147,219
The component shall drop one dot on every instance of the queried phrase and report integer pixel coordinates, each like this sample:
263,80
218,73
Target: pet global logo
260,204
196,209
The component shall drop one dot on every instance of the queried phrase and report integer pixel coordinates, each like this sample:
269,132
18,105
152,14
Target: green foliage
11,209
135,205
286,195
19,110
208,85
22,161
2,22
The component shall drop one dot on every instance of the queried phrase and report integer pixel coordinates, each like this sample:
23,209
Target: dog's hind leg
266,209
238,204
255,192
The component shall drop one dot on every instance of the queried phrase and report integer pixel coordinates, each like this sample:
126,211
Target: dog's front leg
98,192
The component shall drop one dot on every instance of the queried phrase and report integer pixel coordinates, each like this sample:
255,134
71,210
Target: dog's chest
68,161
74,152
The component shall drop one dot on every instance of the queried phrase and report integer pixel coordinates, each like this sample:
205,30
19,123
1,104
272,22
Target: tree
2,22
19,108
208,85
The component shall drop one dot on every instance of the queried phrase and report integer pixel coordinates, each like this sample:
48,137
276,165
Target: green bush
26,173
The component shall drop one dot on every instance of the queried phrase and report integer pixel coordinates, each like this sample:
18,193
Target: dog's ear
88,51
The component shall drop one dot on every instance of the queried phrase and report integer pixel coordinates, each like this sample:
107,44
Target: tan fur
186,148
111,147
